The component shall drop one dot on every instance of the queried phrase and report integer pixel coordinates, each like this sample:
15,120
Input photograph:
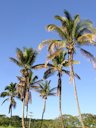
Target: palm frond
38,66
44,43
16,61
48,73
57,53
67,15
56,44
5,101
75,23
89,56
90,38
53,27
4,94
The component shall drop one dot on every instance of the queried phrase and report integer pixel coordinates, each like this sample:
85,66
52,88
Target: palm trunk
23,106
44,108
26,114
75,90
60,101
77,103
11,112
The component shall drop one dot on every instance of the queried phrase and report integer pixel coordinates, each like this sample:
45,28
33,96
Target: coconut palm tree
10,93
25,59
58,65
73,32
45,91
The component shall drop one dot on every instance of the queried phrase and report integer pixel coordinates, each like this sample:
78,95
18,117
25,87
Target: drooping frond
44,43
59,30
50,57
4,94
68,73
62,19
89,56
38,66
5,101
90,38
16,61
48,73
56,44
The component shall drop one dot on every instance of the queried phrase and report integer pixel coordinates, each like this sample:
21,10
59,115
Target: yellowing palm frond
44,43
57,53
87,38
56,44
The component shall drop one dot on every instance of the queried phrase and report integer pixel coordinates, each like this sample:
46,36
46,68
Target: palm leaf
38,66
86,38
4,94
57,53
76,21
56,44
15,61
5,100
89,56
59,30
44,43
48,73
67,15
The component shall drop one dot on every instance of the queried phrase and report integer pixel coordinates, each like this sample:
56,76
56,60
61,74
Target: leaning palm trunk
23,106
44,108
72,78
60,101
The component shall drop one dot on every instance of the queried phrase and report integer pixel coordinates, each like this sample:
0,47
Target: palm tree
45,91
73,32
10,93
25,59
58,65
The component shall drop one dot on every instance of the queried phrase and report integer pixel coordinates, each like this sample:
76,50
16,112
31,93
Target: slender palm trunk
44,108
77,103
75,89
23,106
11,113
26,115
60,100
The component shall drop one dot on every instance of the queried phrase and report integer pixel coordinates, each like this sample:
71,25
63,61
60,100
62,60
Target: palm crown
10,92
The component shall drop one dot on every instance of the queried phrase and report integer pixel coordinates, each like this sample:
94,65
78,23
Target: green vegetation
70,122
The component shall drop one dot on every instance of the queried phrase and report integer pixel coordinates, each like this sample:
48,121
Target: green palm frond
59,30
5,101
19,54
67,15
48,73
75,23
16,61
4,94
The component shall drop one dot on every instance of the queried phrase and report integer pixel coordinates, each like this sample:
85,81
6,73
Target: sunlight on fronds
87,38
57,53
44,43
56,44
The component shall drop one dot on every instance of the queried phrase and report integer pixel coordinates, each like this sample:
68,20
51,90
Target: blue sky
22,23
